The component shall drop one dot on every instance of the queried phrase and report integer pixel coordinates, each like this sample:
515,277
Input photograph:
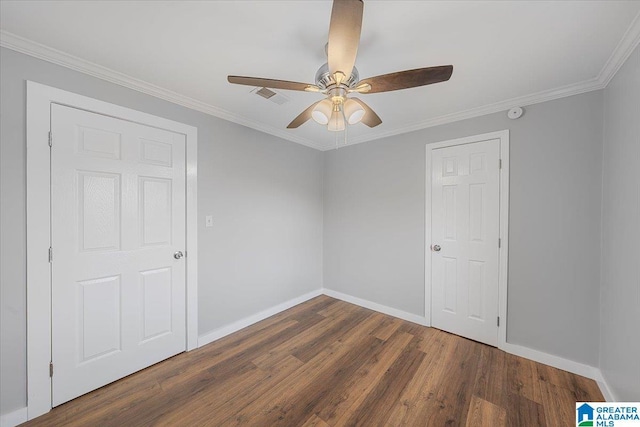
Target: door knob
178,255
436,248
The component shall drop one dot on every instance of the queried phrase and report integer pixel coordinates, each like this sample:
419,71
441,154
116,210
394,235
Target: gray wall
374,209
265,195
620,301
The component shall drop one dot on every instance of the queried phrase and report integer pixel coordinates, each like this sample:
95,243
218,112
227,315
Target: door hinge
50,139
51,369
499,242
499,162
498,321
50,254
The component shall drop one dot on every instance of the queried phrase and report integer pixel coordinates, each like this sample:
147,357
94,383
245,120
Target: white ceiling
504,53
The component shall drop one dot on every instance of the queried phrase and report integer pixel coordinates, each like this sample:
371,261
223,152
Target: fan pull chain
346,128
346,124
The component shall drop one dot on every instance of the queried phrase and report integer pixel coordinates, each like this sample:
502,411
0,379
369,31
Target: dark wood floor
329,363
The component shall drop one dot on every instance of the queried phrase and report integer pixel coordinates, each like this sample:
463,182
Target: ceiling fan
339,78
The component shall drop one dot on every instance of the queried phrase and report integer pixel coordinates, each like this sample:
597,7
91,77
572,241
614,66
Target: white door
465,197
118,218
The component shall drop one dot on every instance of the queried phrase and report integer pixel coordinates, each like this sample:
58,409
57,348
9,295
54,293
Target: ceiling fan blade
271,83
406,79
370,118
344,36
303,117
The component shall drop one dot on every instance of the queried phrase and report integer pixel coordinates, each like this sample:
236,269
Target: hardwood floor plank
484,413
315,421
298,312
339,329
292,408
387,327
353,392
198,409
523,412
376,408
129,391
328,363
247,351
582,388
426,337
312,306
522,376
220,406
225,350
423,334
295,344
161,406
269,403
491,378
559,405
452,396
337,308
421,390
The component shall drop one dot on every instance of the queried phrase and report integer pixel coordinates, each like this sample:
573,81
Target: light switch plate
209,221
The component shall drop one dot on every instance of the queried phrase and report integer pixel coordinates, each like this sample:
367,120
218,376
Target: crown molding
630,40
46,53
623,50
521,101
621,53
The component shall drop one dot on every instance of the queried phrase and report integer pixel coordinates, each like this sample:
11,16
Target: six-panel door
118,217
465,220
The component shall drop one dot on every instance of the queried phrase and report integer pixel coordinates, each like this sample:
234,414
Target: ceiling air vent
265,93
275,97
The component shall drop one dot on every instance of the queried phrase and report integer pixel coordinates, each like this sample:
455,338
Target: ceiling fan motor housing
324,79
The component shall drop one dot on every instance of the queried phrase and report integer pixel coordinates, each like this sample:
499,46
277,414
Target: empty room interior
319,213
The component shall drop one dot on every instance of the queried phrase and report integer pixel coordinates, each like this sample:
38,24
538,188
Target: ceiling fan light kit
339,77
322,112
353,111
337,110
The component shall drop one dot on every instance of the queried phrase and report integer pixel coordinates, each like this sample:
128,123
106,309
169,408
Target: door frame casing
39,100
503,256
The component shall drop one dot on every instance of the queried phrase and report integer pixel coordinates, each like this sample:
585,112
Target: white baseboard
564,364
20,416
14,418
608,394
223,331
551,360
518,350
410,317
